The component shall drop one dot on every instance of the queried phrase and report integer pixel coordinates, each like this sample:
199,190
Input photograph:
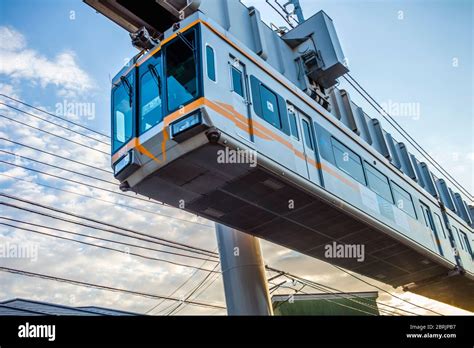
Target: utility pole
243,273
298,10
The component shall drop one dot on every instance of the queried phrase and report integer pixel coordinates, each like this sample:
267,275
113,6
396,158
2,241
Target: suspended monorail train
218,81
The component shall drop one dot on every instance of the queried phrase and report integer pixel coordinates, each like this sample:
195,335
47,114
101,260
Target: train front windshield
161,85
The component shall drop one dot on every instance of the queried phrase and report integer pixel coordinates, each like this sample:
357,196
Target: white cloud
11,40
19,62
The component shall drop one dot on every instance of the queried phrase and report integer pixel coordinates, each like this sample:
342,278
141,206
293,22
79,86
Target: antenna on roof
297,10
290,11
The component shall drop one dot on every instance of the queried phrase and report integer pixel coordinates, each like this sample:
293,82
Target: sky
58,53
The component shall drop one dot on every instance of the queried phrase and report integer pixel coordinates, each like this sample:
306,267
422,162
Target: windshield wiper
155,75
129,89
186,42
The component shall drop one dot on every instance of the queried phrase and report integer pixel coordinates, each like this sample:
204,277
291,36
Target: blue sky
403,51
58,50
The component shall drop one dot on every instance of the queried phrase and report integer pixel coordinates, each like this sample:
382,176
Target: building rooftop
24,307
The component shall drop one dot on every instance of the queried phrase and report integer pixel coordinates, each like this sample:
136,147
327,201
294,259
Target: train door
297,141
430,224
240,98
309,146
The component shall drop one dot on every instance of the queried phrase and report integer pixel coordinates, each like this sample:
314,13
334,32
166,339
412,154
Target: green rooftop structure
355,303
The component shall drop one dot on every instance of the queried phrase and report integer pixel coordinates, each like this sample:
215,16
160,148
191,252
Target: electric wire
105,230
297,278
356,296
59,167
188,279
352,297
174,310
341,294
211,253
55,135
104,239
101,200
191,293
385,291
106,190
203,289
102,287
215,276
126,252
59,117
340,304
405,134
79,182
56,155
56,124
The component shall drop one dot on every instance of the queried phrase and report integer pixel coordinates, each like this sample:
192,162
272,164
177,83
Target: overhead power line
79,182
196,288
56,116
385,291
154,240
352,298
174,243
102,200
56,124
110,249
338,293
296,277
103,287
188,279
58,156
58,167
104,239
404,133
55,135
105,190
338,303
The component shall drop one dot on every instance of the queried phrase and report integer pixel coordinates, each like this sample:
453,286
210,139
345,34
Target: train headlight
186,123
123,163
126,166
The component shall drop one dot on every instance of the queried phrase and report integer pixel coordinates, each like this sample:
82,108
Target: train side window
348,161
439,225
427,216
123,114
270,110
466,242
182,79
403,200
308,139
293,124
211,63
456,233
378,182
150,99
461,240
237,81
